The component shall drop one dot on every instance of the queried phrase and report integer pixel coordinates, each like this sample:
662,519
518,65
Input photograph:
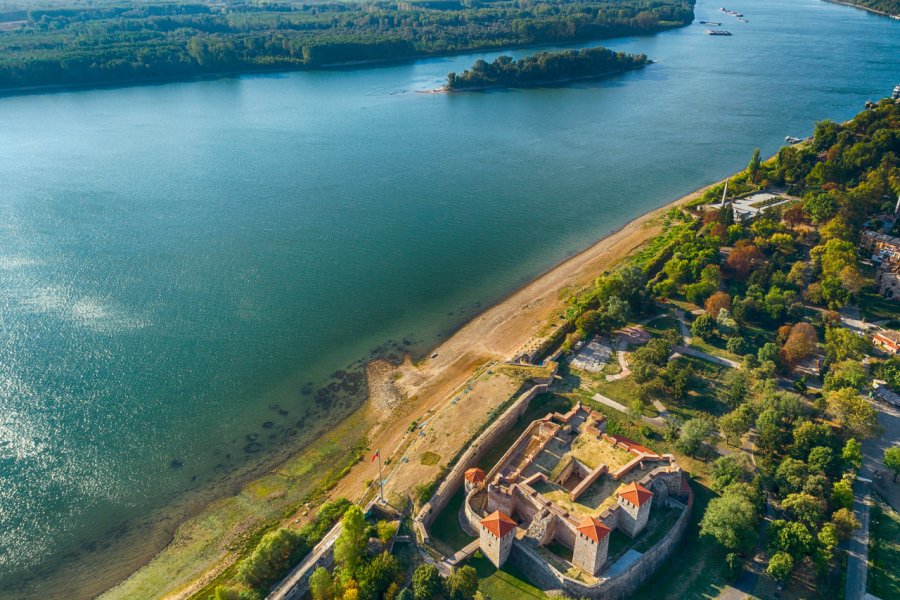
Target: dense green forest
891,7
110,42
545,67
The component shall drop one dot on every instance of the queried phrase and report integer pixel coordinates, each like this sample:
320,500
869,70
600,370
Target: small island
544,68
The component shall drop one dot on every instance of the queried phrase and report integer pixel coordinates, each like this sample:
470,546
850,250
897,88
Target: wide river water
181,265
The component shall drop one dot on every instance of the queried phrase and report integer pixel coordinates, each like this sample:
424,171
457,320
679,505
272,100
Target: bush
272,557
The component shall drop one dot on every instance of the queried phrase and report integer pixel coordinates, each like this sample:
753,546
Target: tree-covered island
544,68
53,42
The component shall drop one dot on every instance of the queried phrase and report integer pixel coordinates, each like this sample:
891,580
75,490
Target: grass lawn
874,307
714,346
659,326
884,552
445,529
696,569
502,584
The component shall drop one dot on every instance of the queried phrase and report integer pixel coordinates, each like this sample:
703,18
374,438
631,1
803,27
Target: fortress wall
476,450
617,588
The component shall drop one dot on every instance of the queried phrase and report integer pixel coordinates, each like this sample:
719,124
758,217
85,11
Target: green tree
270,560
851,455
321,585
892,460
821,458
728,469
791,537
808,435
736,423
846,374
426,582
736,387
790,475
731,520
693,435
842,494
844,523
768,352
405,594
350,547
462,584
703,326
780,567
853,412
753,167
842,344
804,508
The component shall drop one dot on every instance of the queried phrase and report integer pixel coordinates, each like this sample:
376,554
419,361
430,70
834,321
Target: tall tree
753,167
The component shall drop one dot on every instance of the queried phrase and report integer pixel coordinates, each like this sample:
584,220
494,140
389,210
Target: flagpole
380,479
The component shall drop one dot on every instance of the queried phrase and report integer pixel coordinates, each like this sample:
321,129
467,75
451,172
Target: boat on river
793,140
717,32
710,23
896,94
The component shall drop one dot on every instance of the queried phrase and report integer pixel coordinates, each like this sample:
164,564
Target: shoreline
867,9
497,333
29,90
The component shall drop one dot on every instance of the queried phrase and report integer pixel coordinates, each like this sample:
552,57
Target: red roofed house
496,534
474,477
591,545
635,500
887,339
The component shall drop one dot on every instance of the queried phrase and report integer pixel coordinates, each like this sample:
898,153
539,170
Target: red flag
376,455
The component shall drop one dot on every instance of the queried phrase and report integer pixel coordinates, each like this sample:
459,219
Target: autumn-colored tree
781,335
801,343
742,259
717,302
793,216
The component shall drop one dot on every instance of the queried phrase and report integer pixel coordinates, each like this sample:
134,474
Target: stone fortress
559,492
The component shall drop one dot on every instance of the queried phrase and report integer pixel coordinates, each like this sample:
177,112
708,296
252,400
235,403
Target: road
858,544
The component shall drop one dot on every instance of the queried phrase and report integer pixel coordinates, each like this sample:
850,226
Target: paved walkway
620,353
858,544
658,421
688,351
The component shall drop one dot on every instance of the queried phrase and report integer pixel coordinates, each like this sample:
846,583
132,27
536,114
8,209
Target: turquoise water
183,267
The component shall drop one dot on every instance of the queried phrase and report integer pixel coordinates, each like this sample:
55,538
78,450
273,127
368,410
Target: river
183,266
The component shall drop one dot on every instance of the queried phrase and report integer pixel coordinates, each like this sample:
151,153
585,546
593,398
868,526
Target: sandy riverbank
397,396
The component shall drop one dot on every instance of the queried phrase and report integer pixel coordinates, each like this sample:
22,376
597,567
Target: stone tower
591,545
634,502
496,534
474,477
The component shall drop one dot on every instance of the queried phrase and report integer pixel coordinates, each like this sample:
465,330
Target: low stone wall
615,588
454,478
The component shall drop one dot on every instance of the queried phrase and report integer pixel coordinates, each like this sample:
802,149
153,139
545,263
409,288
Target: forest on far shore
110,43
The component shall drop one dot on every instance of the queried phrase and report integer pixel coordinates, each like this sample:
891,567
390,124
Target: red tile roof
593,528
631,444
475,475
498,523
635,493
